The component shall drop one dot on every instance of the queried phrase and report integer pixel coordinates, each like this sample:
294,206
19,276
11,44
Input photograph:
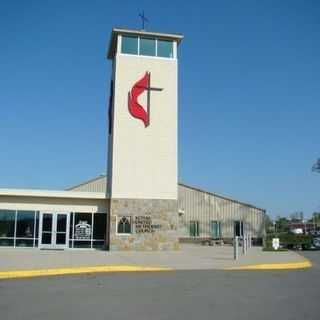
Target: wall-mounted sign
82,230
143,224
155,227
135,108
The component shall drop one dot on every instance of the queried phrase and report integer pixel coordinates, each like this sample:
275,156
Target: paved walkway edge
275,266
80,270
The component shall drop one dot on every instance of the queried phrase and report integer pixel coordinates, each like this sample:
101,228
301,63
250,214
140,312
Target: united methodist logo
135,108
82,230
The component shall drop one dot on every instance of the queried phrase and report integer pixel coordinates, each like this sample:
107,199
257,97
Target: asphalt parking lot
208,294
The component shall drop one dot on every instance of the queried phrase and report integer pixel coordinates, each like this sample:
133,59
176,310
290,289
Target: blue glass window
147,47
7,221
25,224
129,45
165,49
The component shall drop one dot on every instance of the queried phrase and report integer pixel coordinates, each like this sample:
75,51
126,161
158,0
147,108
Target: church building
140,205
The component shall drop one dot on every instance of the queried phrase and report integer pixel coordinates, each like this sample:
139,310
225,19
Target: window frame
37,234
131,226
155,40
197,228
219,224
241,227
174,48
132,37
21,213
92,239
12,225
15,238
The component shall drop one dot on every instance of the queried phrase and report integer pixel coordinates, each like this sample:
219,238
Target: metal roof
52,194
101,176
180,184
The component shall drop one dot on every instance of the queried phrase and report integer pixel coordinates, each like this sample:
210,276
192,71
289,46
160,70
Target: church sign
143,224
82,231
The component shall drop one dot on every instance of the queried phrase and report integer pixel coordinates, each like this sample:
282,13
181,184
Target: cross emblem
143,19
135,108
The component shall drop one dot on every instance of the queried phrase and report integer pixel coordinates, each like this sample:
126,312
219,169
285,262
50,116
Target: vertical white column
92,226
236,248
119,43
175,51
74,217
244,244
15,229
34,228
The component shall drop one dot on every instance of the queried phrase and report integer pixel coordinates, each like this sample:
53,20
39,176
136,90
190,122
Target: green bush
289,240
273,250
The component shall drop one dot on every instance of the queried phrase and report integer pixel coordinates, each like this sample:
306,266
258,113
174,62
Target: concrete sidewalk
190,257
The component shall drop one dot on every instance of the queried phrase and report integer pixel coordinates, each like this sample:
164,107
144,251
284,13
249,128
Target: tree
315,218
269,224
282,224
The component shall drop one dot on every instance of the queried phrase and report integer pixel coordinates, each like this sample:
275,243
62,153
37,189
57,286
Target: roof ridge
87,181
101,176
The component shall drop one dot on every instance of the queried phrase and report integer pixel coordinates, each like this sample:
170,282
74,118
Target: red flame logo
135,108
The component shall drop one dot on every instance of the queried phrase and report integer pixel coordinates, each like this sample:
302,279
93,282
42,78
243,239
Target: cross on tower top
143,19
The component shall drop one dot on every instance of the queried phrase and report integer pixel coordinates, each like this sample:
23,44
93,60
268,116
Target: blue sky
249,94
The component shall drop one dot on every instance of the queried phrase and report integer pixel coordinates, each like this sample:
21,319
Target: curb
80,270
275,266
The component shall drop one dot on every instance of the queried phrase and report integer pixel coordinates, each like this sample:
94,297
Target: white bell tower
142,160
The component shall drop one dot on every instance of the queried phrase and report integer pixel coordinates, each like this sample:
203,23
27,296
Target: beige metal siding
204,207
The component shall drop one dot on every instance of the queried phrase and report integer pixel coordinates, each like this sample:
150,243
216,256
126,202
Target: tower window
151,47
147,47
124,225
165,49
129,45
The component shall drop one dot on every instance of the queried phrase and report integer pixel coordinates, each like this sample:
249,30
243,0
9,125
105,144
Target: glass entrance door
54,230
